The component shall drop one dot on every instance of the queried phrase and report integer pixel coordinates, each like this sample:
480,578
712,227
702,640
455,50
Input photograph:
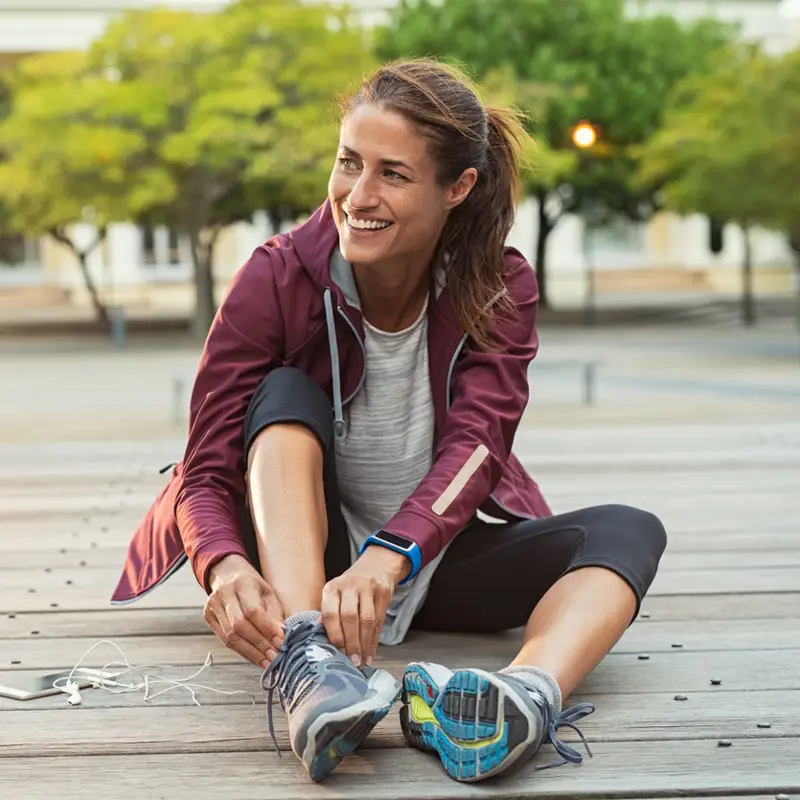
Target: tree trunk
748,301
100,311
205,301
540,263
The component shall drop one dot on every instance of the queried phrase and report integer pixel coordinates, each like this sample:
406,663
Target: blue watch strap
409,549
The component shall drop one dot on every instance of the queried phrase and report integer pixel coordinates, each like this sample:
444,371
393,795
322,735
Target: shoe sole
334,736
469,722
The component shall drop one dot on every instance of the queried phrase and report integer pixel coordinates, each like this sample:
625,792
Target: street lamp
584,135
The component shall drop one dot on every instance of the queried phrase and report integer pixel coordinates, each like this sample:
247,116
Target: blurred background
146,149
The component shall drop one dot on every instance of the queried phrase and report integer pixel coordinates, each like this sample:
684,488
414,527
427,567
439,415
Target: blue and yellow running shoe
332,706
482,723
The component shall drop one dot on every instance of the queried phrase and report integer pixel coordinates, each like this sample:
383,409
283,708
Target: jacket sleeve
245,342
489,396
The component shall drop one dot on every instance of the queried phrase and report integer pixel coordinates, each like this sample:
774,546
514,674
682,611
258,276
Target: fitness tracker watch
400,544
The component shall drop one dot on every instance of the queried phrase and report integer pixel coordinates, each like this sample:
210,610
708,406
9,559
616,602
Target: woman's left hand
354,604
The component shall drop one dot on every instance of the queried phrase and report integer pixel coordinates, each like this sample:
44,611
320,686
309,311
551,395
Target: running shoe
482,723
331,705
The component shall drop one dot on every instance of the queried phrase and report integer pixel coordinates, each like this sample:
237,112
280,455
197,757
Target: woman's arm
245,342
489,395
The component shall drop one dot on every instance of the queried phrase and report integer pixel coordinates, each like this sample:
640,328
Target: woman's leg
291,483
299,537
575,625
575,580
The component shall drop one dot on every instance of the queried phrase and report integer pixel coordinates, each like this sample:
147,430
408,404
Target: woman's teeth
367,224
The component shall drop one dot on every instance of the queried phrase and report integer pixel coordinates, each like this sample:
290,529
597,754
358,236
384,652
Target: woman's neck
391,298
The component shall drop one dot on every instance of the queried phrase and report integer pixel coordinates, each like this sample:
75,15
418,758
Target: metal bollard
118,326
588,384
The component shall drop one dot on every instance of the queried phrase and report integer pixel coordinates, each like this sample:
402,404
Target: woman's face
386,201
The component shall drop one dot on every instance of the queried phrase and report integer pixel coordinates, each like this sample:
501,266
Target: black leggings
493,574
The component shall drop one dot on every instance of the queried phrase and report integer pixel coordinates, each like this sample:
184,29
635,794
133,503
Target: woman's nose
363,194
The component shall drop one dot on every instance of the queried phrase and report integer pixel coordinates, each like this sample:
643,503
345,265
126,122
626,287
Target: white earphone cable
111,683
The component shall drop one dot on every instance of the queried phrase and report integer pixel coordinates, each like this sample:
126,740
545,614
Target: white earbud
71,689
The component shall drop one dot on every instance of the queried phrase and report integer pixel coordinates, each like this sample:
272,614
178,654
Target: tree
234,111
60,167
572,60
729,148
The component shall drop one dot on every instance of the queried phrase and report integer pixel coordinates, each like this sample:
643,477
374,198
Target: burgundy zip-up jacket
285,308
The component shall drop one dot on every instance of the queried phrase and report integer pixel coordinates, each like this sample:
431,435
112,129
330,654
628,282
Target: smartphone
32,687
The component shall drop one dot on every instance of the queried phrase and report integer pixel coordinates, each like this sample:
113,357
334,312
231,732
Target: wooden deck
725,607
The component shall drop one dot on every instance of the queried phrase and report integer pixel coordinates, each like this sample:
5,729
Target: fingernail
277,642
369,661
271,654
264,664
356,659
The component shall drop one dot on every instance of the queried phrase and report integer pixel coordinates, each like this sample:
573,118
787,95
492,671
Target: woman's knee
287,400
642,526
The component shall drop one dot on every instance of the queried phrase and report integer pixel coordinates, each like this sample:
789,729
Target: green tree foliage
60,166
235,114
730,148
569,61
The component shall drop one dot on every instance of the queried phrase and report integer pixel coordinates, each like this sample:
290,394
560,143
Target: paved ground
77,389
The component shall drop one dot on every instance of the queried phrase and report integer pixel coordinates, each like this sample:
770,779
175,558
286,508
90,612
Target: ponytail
474,238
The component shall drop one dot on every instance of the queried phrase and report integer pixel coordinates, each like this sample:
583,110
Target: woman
355,407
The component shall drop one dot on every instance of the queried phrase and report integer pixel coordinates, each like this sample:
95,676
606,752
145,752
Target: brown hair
442,102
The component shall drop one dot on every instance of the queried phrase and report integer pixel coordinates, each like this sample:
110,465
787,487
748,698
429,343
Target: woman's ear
459,191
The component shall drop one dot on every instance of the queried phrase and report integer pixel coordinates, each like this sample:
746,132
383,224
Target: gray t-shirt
388,450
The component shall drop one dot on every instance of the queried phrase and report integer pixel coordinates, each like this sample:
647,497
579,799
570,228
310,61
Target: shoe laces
291,672
566,719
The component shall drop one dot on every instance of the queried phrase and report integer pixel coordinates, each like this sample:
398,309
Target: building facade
152,269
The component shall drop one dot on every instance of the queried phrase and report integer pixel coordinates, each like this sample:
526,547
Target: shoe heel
417,719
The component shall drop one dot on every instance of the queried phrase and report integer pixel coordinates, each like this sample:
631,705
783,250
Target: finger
240,635
218,621
212,621
265,629
330,615
348,612
382,601
366,622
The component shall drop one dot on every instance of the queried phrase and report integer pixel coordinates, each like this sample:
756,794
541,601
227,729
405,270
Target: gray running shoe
482,723
331,704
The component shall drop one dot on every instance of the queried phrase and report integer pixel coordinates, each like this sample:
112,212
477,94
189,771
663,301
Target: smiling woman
354,410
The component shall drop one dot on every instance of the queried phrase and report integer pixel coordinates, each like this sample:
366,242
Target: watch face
394,540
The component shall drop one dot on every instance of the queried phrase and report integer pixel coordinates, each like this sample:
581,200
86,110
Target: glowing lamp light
584,135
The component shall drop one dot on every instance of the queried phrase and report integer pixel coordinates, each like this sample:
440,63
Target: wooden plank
726,581
36,590
673,670
133,727
647,635
668,767
675,558
721,606
763,557
686,550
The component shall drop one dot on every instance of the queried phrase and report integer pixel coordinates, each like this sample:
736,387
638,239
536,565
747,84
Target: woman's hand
354,604
243,611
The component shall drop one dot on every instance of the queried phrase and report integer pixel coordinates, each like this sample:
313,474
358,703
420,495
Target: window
162,246
148,245
17,250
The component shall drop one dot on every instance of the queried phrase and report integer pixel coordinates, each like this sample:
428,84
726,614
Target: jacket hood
314,242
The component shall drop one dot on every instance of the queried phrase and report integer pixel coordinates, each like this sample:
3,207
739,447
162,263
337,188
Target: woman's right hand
243,611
